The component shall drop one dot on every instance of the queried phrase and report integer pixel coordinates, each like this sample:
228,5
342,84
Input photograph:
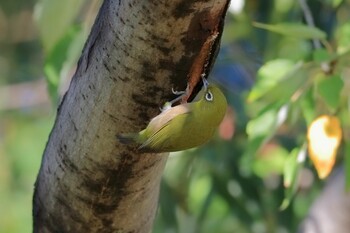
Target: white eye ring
209,96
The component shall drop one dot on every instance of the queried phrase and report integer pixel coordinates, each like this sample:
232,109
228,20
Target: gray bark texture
137,51
331,210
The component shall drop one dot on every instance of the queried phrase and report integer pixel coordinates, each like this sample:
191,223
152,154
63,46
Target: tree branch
309,20
326,67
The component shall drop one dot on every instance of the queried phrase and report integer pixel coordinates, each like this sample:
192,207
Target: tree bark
330,212
136,52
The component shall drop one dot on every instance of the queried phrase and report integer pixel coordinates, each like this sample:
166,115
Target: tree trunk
331,210
136,52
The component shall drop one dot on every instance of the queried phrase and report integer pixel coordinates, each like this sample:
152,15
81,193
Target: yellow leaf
324,136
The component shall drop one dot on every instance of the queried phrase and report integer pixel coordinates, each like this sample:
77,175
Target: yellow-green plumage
183,126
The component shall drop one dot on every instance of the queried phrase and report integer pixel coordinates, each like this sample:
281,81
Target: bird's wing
165,117
160,136
155,140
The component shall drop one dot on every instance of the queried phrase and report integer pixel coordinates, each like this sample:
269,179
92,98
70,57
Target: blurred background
254,176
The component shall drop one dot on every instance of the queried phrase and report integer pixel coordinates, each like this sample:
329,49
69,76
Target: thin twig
309,20
325,66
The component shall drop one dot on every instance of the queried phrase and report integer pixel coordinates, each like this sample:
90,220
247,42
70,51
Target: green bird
183,126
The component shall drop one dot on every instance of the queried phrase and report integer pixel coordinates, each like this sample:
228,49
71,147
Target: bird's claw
177,92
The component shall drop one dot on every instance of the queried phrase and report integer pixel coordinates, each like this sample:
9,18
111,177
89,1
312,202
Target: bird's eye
209,96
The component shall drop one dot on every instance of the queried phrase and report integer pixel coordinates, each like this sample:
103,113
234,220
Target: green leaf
52,78
263,124
329,89
336,3
291,174
268,76
294,30
279,85
343,38
290,169
321,55
294,49
260,130
56,59
247,159
270,162
54,18
284,90
308,106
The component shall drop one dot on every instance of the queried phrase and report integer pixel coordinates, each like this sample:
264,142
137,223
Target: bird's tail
128,138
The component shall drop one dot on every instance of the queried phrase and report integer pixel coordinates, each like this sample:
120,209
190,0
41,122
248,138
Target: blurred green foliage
261,180
21,147
277,83
37,39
